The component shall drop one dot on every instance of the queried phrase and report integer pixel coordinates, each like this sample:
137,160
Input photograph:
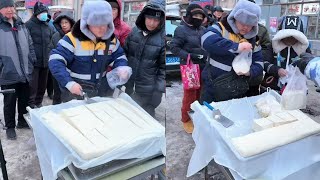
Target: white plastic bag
295,94
119,76
242,62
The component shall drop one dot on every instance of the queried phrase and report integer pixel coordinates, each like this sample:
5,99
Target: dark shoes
11,134
22,124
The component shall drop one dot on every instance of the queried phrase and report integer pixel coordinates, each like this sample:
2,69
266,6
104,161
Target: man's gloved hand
197,57
312,70
76,89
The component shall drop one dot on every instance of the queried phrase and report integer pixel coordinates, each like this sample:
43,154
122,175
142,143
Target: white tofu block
261,124
261,141
286,117
298,114
276,120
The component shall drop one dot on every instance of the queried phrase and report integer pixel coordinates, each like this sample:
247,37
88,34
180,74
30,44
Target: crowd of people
213,39
69,58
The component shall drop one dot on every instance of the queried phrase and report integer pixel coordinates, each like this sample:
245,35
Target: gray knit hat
247,13
6,3
96,13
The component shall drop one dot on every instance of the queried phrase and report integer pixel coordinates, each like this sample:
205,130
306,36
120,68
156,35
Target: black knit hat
39,8
193,9
153,13
6,3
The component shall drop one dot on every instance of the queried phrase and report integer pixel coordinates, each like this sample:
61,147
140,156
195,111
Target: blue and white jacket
222,43
78,57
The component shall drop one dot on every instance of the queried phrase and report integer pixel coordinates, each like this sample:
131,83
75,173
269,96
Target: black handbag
229,86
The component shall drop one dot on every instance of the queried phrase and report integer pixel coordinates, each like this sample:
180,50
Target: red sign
31,3
203,3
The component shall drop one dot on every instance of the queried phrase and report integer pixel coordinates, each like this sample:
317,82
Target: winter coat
17,55
146,54
274,61
41,35
83,58
122,29
222,44
264,38
59,34
187,39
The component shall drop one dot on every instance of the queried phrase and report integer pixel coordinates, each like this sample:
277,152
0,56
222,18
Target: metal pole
3,164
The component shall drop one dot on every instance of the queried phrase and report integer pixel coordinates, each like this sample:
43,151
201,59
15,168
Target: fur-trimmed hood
300,47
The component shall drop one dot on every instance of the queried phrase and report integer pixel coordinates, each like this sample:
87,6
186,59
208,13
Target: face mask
196,22
43,17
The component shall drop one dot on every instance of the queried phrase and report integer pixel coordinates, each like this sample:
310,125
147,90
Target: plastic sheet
54,154
213,141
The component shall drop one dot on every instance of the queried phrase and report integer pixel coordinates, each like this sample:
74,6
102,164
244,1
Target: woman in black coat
187,40
63,24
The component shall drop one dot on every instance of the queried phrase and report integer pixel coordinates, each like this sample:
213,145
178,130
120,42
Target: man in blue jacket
81,58
224,41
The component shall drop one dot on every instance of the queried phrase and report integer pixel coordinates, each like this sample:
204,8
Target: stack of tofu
95,129
275,130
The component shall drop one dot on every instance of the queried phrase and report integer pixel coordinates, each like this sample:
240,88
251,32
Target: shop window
132,10
312,25
294,1
267,1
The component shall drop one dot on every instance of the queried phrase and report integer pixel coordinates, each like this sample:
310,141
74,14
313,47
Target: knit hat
247,13
151,13
113,3
96,13
6,3
218,8
193,9
39,8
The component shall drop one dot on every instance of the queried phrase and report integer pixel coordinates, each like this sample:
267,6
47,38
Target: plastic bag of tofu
268,105
119,76
295,94
242,62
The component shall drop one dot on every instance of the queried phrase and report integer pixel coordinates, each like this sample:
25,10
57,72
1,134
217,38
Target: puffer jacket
59,34
41,35
187,39
146,54
122,29
17,55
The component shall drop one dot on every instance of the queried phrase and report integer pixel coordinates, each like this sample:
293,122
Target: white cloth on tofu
261,141
95,129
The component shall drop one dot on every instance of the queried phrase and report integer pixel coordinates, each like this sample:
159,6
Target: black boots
11,134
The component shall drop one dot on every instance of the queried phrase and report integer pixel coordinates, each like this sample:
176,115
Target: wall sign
294,9
31,3
310,8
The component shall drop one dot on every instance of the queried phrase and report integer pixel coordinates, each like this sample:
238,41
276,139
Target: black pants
50,84
38,86
9,102
149,102
56,92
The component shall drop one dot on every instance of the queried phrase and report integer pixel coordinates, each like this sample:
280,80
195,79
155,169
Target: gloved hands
197,57
312,70
119,76
76,89
244,46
